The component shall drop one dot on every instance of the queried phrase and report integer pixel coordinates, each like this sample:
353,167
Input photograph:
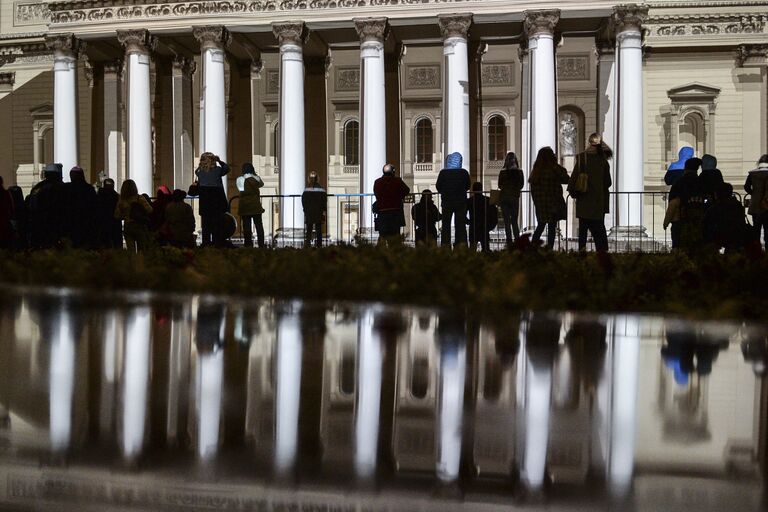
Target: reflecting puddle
199,403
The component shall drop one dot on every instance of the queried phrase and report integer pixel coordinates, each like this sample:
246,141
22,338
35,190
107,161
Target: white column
291,121
135,381
606,110
373,119
629,148
65,49
183,143
368,404
213,108
539,28
138,45
526,160
455,116
113,121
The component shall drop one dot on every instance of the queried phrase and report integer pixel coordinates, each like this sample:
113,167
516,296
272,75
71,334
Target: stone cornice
371,29
215,37
137,41
290,32
454,25
541,22
629,17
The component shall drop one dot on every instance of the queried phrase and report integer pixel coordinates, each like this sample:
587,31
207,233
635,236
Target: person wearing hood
179,227
46,206
453,184
213,199
547,180
20,219
757,186
425,216
390,191
157,217
7,234
676,169
314,201
110,231
249,207
80,204
711,177
592,196
511,181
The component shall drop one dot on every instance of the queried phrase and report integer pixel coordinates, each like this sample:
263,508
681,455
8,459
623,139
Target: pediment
694,92
43,110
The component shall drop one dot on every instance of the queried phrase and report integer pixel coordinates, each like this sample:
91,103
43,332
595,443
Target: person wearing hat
390,192
453,184
314,200
249,206
81,206
46,209
711,177
425,216
592,203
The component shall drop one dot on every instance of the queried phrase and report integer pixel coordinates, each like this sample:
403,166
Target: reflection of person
587,340
568,135
542,337
209,330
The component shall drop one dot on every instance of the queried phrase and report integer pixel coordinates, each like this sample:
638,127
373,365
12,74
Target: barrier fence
634,224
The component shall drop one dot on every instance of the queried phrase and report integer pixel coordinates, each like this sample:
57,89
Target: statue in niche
568,133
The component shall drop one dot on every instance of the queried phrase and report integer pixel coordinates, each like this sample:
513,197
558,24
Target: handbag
581,185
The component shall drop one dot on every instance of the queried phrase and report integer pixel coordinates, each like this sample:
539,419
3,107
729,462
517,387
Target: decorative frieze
497,74
347,79
30,13
273,81
454,25
422,77
573,67
705,25
25,53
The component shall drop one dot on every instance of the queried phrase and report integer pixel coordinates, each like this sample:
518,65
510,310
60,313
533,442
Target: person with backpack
134,210
757,186
589,185
425,216
249,207
452,184
511,181
547,180
692,208
483,217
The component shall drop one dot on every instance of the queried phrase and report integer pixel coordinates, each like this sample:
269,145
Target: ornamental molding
573,67
371,29
497,74
212,37
422,76
137,41
65,44
540,22
454,25
30,13
752,55
290,32
705,25
347,79
629,17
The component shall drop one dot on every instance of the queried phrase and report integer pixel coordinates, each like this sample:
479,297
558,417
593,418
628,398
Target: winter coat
594,203
46,203
453,184
425,215
134,212
511,182
314,200
212,177
547,193
250,197
81,207
757,186
482,216
110,230
390,191
213,199
179,227
6,215
711,180
724,224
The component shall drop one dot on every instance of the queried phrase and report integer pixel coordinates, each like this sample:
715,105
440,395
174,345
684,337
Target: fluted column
454,29
138,45
540,31
290,36
628,20
65,51
213,110
373,119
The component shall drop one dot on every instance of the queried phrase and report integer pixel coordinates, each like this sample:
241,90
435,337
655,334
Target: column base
638,232
289,237
632,239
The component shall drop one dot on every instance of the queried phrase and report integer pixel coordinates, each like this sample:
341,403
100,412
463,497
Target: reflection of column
606,105
178,371
369,374
110,344
538,387
454,28
65,49
626,352
291,121
540,28
210,374
135,380
288,391
453,366
138,45
62,379
113,122
373,141
629,148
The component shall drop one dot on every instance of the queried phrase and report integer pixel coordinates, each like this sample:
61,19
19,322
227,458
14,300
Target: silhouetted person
213,199
593,204
390,192
157,217
46,204
724,224
676,169
425,216
688,190
7,233
134,210
483,217
109,228
81,207
179,227
249,207
511,182
547,180
757,186
20,219
314,200
542,338
452,184
711,177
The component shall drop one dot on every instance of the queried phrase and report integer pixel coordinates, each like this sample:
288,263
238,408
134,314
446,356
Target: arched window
352,143
424,141
692,132
497,138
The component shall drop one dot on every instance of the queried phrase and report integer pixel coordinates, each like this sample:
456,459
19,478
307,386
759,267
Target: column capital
113,67
290,32
629,17
371,29
184,66
256,67
137,41
540,22
454,25
65,45
752,55
212,37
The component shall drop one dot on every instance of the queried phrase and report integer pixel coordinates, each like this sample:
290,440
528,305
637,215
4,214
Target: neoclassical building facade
140,88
